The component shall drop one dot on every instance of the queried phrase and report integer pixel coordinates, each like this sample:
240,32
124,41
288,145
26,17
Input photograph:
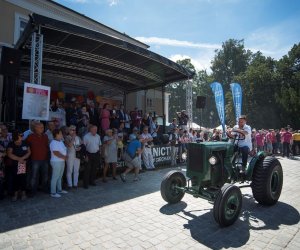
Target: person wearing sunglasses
74,146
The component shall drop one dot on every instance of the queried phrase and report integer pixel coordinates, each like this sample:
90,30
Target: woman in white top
110,153
73,143
57,161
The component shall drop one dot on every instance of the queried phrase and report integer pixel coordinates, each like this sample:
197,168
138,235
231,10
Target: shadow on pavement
206,231
43,208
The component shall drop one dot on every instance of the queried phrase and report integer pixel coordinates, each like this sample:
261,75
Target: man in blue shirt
132,157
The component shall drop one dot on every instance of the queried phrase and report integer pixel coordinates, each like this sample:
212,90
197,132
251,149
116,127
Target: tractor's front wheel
227,205
267,181
170,186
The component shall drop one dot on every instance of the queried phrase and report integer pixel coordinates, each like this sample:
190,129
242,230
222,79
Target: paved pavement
133,215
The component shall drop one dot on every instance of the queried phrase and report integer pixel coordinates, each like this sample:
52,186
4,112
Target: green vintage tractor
212,170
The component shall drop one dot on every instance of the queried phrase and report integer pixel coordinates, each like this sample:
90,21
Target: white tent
220,127
195,125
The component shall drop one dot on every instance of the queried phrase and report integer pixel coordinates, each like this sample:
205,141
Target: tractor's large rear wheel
267,181
227,205
170,186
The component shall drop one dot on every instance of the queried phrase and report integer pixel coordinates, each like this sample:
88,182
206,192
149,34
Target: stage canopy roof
74,52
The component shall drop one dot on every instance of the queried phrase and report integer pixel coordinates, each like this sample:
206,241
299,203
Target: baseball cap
135,129
132,137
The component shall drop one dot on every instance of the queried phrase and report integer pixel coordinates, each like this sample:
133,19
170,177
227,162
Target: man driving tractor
243,132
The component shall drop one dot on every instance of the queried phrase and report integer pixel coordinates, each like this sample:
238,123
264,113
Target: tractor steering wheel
238,136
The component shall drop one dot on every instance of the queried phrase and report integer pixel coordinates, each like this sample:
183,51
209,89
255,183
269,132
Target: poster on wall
36,100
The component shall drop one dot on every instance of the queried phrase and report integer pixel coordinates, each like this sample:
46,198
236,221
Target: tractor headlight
184,156
213,160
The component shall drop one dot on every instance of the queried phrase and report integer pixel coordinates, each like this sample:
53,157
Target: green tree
289,95
230,61
259,83
271,89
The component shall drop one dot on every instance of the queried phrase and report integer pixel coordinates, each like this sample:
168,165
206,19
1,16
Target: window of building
20,24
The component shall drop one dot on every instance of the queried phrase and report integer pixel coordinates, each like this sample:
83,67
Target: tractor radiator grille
195,157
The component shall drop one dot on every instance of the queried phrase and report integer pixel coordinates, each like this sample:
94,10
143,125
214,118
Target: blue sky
193,29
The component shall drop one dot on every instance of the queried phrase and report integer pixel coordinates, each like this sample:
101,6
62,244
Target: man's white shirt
247,142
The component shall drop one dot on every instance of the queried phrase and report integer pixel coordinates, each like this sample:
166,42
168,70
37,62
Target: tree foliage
271,89
288,96
230,61
259,84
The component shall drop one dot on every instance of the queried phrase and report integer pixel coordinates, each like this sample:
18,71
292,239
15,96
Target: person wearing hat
135,129
136,132
74,149
132,157
244,145
183,119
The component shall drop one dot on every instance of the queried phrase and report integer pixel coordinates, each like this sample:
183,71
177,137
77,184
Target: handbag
78,155
21,168
81,154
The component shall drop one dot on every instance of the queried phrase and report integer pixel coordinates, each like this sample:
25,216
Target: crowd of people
49,157
284,142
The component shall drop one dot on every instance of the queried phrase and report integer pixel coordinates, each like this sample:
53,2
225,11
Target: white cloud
201,62
268,41
201,59
113,2
264,40
275,41
177,43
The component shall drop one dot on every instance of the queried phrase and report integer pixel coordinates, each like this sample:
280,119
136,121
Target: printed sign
161,154
36,100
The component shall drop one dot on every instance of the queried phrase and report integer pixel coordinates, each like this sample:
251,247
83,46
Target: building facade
14,17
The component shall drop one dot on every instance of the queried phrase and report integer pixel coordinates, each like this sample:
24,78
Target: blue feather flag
237,99
219,99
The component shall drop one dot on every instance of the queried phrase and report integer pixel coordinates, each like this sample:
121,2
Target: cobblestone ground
133,215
